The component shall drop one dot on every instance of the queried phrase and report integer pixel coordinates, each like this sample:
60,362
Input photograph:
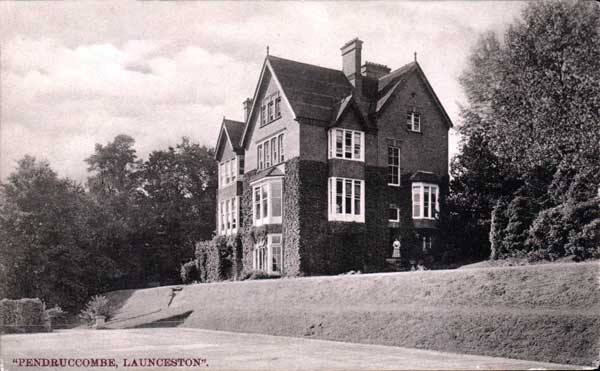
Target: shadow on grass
173,321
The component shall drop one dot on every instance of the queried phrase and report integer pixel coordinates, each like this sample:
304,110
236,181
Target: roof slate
313,91
235,129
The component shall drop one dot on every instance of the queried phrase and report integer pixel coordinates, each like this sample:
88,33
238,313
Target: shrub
572,228
520,215
258,275
97,306
547,235
586,243
189,272
497,226
23,316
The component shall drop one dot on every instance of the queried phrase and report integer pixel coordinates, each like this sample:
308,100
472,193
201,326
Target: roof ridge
304,63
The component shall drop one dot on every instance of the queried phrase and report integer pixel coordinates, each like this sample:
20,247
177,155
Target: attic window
270,109
413,121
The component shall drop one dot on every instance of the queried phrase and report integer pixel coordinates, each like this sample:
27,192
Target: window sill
269,122
346,218
394,185
414,131
424,218
347,159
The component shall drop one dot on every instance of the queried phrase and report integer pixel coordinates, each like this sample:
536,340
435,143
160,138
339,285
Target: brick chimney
374,70
247,108
351,61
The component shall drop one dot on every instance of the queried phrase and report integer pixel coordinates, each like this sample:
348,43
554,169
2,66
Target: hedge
218,259
23,316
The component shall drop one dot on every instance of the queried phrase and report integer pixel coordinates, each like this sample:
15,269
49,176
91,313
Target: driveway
194,349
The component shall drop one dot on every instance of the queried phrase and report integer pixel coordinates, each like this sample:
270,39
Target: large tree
531,126
179,203
47,249
537,92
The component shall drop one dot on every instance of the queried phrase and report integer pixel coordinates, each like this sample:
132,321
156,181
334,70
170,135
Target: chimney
247,108
374,70
351,61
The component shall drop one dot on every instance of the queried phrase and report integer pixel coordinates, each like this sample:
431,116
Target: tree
47,247
114,186
180,201
537,92
530,128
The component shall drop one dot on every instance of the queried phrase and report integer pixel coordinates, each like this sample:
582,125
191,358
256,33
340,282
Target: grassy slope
546,313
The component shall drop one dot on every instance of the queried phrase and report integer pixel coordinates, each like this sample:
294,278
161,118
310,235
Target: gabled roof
312,91
348,103
324,94
232,131
389,84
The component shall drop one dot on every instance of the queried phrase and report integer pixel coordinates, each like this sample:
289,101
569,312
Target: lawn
547,313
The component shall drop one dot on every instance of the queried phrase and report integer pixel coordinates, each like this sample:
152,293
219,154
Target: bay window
425,201
346,200
346,144
267,205
267,255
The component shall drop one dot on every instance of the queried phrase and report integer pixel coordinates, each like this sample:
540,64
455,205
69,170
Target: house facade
330,168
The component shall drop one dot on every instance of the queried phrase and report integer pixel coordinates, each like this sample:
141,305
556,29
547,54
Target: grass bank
547,313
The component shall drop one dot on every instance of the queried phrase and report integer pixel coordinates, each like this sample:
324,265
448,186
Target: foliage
189,272
529,130
23,316
215,258
178,203
48,246
257,275
498,225
98,305
135,223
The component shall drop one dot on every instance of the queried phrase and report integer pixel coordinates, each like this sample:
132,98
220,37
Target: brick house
332,166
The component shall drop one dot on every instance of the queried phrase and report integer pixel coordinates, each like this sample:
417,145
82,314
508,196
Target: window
346,144
278,107
394,166
228,216
267,202
346,200
268,255
394,213
426,243
413,121
280,144
259,155
270,109
228,172
222,173
241,163
270,152
425,201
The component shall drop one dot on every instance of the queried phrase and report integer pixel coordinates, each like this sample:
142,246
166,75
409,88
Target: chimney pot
247,107
374,70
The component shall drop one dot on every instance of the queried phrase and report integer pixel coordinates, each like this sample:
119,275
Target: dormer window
413,121
270,109
346,144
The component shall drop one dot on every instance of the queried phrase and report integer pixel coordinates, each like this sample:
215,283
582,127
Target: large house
330,167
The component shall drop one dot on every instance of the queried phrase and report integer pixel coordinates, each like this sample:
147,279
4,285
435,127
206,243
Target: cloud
77,74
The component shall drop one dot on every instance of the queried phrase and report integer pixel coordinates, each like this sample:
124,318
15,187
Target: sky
73,74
